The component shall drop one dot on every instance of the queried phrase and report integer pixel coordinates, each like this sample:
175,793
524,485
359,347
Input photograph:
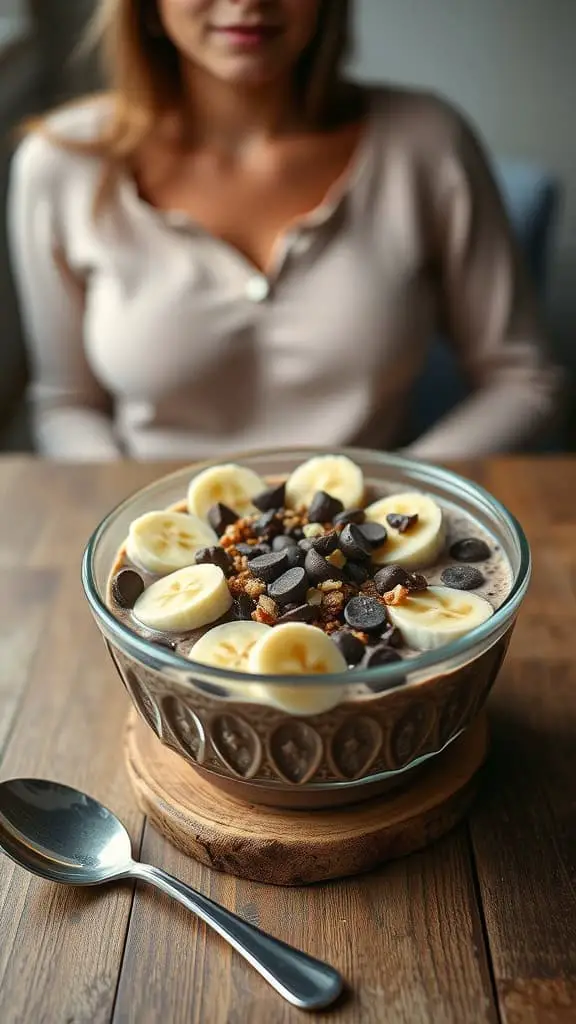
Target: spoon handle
299,978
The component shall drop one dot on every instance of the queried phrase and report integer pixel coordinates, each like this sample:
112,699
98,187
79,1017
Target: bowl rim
393,676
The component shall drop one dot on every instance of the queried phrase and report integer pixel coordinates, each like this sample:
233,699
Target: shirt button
258,288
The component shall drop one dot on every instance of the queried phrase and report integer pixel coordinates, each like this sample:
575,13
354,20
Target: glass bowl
378,735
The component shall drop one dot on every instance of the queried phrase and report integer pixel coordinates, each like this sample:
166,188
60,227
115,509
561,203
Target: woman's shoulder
424,122
60,143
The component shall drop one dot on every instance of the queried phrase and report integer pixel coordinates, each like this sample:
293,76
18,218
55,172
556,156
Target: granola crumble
396,596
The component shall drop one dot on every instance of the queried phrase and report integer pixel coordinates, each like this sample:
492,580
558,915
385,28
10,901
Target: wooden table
480,927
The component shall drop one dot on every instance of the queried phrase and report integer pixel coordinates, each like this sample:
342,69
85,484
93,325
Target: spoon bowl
61,834
66,836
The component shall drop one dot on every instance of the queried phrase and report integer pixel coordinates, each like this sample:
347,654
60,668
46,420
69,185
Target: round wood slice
292,847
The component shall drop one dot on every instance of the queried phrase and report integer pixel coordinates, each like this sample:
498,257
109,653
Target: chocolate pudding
318,574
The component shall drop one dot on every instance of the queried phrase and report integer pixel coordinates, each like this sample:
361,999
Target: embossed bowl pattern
368,742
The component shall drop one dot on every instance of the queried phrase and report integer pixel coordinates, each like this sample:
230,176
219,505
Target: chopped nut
349,590
237,584
337,559
369,588
313,530
333,626
267,611
240,563
363,637
314,596
330,585
396,596
333,603
239,532
254,588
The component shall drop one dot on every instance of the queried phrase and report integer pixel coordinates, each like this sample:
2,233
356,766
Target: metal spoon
65,836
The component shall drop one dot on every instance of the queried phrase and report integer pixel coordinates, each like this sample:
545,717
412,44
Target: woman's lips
247,35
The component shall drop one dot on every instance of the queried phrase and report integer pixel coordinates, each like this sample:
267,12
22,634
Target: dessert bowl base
282,846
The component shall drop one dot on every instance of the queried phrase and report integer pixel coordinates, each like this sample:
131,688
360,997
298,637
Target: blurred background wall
510,64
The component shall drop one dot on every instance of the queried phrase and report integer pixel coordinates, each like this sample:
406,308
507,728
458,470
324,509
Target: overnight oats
304,615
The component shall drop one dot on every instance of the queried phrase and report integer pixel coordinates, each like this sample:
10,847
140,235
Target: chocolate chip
296,557
164,641
281,542
389,577
256,550
416,581
297,533
302,613
220,516
392,636
462,577
375,534
326,544
290,588
319,570
305,544
273,498
269,567
351,515
243,607
127,587
392,576
349,646
354,544
357,574
253,550
268,525
380,655
401,523
323,508
365,614
214,556
470,550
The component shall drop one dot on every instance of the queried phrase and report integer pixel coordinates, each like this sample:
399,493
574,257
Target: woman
236,247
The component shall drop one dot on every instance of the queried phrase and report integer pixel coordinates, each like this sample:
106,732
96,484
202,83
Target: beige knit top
151,338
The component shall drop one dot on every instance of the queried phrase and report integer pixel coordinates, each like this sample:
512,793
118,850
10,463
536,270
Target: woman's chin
246,71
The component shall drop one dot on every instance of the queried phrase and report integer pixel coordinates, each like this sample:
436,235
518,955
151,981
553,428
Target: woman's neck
228,117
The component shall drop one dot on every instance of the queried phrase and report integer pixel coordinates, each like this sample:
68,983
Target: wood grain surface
480,927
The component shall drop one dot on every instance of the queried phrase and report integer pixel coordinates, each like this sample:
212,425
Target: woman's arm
490,316
70,410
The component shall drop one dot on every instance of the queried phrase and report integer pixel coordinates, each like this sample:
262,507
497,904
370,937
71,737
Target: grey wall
511,64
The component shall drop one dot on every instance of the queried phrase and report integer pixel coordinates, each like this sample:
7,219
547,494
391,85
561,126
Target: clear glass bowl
370,740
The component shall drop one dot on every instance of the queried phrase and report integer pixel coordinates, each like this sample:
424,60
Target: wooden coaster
291,847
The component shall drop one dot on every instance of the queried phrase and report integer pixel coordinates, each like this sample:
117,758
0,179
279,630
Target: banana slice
421,544
229,645
335,474
187,599
162,542
296,649
230,485
438,615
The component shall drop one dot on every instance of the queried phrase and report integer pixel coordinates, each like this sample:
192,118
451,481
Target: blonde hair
142,69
